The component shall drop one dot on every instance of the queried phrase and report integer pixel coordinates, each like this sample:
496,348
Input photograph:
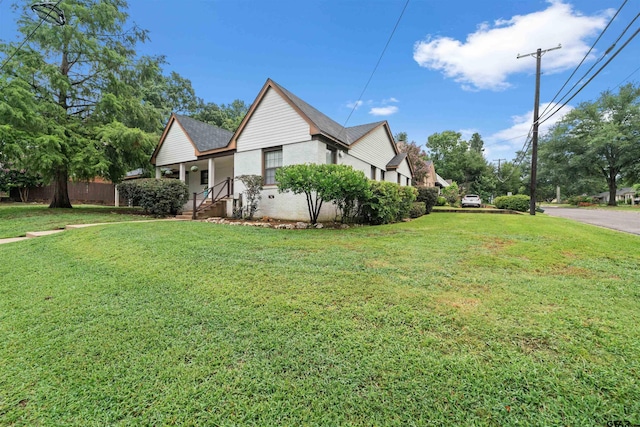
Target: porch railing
216,193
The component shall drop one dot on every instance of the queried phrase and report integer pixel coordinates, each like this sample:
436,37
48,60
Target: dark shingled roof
205,136
397,159
326,125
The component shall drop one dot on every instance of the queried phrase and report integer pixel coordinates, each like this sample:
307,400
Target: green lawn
452,319
16,219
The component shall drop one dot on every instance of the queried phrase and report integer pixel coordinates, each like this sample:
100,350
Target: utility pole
534,140
499,160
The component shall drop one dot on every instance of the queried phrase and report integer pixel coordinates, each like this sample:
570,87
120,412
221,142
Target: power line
355,104
29,36
627,78
592,77
582,61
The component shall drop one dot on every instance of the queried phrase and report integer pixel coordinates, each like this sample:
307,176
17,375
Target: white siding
274,122
357,164
283,205
375,149
404,170
176,147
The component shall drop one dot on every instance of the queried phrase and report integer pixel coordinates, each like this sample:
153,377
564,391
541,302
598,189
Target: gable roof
319,123
326,125
396,161
203,136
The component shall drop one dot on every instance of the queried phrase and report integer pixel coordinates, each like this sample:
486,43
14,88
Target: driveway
629,222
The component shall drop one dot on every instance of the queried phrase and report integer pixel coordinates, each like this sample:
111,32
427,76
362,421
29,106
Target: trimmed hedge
417,209
428,196
408,195
519,202
387,202
158,197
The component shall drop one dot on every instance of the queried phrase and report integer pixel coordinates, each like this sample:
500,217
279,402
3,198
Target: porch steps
207,210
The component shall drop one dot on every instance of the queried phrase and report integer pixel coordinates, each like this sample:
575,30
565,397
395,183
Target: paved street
628,222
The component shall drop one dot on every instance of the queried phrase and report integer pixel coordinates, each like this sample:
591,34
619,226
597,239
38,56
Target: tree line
592,149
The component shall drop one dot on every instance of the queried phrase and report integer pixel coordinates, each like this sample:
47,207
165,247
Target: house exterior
280,129
623,195
433,179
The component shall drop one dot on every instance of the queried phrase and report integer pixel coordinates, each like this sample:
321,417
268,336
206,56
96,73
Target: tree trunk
60,191
24,194
611,180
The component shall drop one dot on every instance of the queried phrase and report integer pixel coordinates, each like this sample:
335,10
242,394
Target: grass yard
447,320
16,219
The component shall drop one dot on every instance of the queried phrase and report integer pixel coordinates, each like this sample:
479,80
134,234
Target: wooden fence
79,192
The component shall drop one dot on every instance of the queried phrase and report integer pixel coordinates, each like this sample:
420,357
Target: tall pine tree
97,105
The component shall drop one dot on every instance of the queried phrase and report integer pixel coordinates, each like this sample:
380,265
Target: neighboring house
433,179
280,129
623,195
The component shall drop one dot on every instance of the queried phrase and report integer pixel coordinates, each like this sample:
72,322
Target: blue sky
451,65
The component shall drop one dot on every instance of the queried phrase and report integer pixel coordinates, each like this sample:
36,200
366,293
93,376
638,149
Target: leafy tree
476,143
461,161
90,108
416,155
600,138
223,116
322,183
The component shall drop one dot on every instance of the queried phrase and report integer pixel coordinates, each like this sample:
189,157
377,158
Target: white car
471,200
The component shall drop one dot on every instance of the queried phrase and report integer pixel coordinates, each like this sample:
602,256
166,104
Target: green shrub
158,197
417,209
519,202
429,196
340,184
253,187
441,201
408,195
383,204
451,193
577,200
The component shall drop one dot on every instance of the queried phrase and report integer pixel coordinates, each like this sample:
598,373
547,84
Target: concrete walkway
33,234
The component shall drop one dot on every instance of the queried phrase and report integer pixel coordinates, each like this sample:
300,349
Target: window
204,178
382,175
272,162
373,172
399,178
331,156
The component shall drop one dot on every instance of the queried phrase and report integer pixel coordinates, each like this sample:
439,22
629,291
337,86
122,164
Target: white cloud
354,105
514,137
488,56
468,133
383,111
389,100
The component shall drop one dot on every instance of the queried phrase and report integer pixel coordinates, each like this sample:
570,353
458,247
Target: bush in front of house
408,195
417,209
580,200
451,193
340,184
383,203
253,187
158,197
441,201
519,202
429,196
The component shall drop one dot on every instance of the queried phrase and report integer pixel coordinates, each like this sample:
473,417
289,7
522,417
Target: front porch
210,183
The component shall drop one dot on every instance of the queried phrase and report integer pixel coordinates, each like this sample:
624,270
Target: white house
280,129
